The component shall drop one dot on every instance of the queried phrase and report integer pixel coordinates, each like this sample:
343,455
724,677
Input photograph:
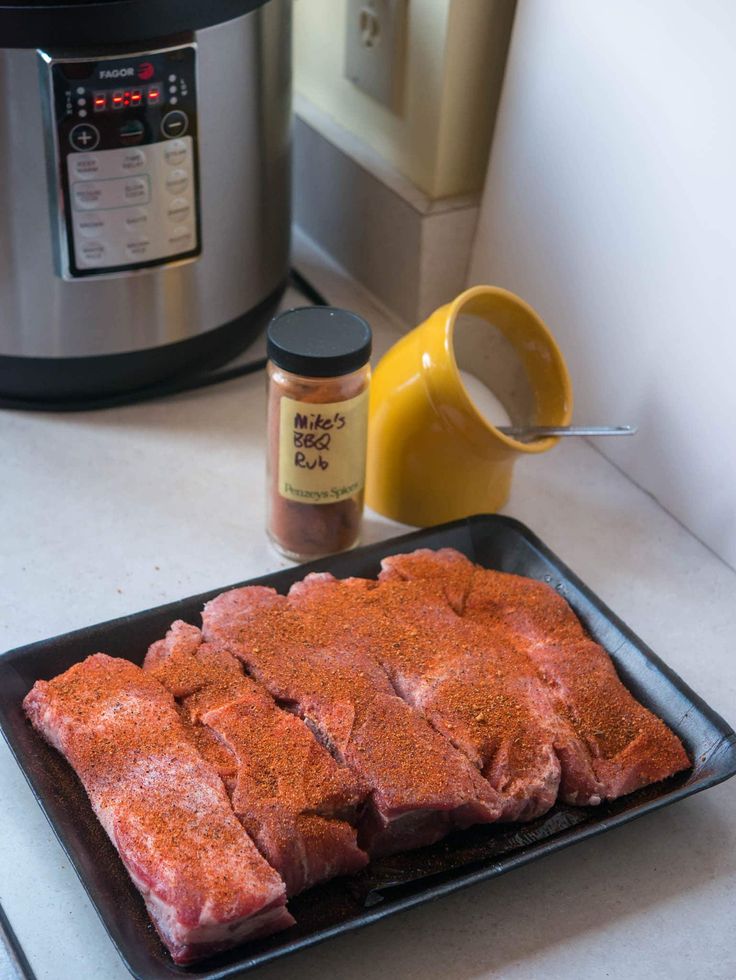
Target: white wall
610,205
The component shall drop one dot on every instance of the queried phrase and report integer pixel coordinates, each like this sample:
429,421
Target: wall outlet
375,40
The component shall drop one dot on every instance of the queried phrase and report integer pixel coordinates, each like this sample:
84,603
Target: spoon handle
543,431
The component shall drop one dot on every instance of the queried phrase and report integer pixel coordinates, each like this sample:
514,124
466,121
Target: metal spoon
543,431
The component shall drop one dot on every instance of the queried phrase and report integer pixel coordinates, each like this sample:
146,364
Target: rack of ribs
451,672
297,804
420,786
205,885
607,743
295,736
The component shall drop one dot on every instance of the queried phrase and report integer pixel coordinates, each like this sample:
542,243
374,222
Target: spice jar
318,385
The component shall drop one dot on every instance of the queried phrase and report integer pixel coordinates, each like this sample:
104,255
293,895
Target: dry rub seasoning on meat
318,381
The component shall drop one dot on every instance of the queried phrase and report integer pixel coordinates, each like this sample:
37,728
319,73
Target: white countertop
108,513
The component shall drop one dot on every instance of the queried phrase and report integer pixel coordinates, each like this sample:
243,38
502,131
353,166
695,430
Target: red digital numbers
126,98
119,99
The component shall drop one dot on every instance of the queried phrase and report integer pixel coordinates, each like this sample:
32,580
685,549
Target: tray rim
725,747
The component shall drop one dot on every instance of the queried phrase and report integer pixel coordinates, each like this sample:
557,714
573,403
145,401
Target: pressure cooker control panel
124,136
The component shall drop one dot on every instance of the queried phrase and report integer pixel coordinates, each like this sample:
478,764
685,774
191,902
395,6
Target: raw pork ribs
295,737
164,808
420,786
291,796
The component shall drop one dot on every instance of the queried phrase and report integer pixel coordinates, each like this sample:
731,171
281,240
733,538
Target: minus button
174,123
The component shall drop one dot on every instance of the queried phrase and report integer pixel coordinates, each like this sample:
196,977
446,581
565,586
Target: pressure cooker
144,188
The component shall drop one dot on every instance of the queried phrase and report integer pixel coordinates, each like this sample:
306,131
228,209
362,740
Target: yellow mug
433,455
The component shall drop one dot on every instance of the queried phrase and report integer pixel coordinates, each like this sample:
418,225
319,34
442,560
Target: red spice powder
306,530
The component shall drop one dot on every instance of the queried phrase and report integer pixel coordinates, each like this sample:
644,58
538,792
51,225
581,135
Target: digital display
126,98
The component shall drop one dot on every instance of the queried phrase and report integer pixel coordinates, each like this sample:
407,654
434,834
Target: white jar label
322,449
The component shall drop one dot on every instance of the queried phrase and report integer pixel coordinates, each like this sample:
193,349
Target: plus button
84,136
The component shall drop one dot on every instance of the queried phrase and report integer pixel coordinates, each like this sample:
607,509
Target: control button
133,160
177,181
137,249
82,113
173,100
175,152
84,136
136,190
92,253
87,196
91,225
132,132
136,219
181,237
178,210
85,166
174,123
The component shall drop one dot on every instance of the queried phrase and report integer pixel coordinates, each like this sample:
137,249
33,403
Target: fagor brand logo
116,72
144,71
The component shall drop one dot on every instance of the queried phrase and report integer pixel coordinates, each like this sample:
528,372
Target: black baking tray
391,884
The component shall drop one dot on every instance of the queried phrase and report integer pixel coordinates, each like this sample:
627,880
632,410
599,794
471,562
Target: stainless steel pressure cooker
144,188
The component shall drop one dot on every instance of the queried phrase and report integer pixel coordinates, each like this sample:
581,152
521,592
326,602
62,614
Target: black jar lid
319,341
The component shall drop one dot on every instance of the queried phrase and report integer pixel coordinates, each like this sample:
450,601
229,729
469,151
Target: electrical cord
13,962
163,389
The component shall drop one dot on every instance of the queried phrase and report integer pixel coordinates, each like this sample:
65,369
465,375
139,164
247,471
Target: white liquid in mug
487,404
